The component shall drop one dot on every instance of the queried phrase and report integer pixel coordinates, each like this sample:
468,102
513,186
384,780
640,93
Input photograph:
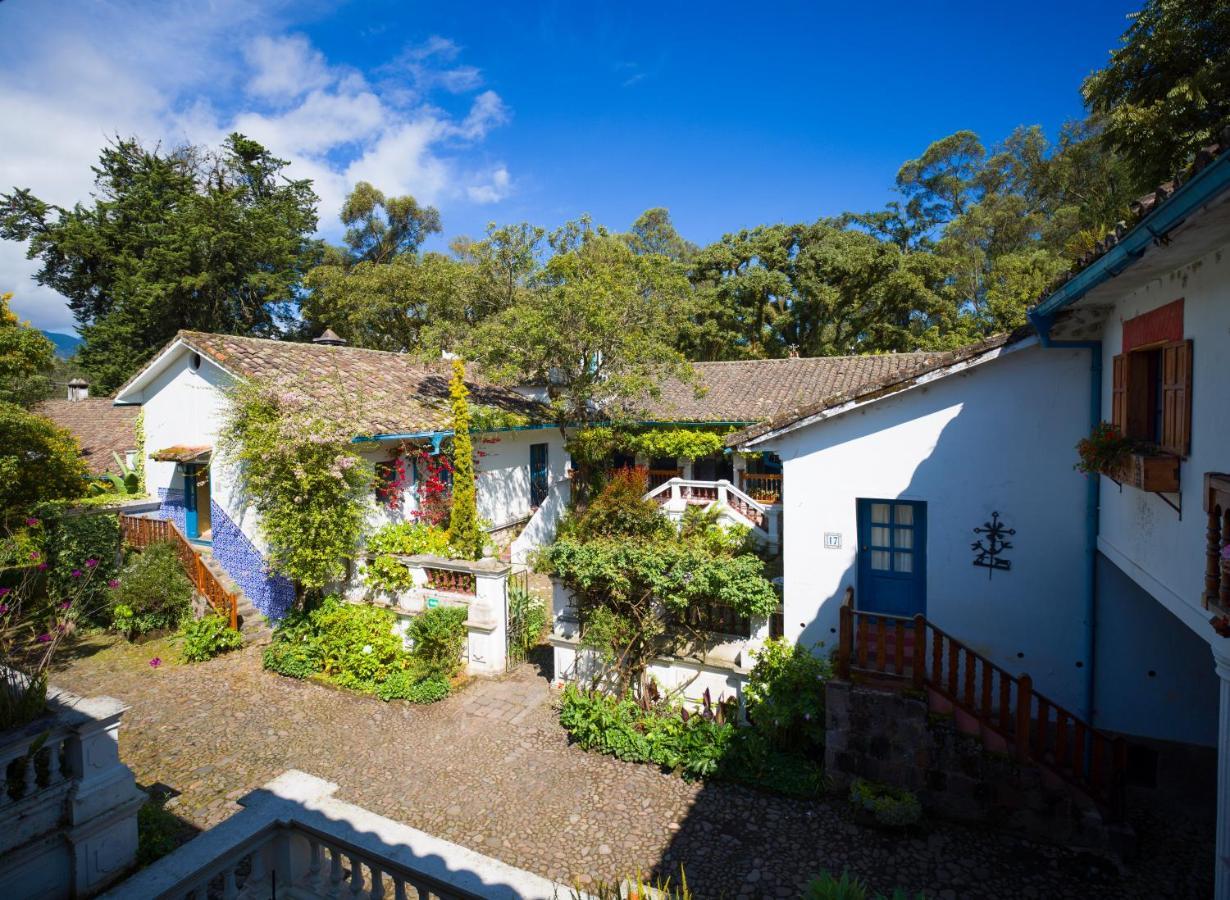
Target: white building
398,403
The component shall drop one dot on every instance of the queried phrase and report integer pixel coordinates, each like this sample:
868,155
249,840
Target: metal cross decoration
992,545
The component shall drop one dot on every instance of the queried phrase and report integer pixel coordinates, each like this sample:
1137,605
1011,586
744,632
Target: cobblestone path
490,769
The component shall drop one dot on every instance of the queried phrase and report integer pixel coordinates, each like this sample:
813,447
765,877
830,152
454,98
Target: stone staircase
254,627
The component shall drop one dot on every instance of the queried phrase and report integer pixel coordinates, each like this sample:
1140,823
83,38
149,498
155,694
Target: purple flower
31,522
91,563
113,583
4,590
34,554
155,662
44,638
42,567
76,573
4,609
66,604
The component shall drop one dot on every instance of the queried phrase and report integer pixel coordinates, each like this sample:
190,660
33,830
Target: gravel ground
491,769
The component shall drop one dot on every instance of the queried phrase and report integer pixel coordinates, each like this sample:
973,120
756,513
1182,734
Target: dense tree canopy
25,358
216,241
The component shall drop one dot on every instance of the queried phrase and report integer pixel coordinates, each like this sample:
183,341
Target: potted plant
1105,452
1109,452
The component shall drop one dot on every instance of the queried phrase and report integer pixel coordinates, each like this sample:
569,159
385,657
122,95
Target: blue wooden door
538,474
892,556
191,522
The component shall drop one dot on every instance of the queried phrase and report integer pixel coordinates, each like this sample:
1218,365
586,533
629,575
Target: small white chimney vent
329,338
78,389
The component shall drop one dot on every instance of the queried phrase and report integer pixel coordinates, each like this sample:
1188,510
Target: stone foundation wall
893,738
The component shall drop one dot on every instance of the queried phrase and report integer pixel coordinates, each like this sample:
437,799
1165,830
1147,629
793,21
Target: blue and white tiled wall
272,595
172,508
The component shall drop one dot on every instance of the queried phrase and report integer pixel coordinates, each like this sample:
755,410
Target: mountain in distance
66,344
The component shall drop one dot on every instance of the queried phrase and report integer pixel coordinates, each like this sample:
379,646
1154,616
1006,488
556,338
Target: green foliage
1166,91
409,684
785,696
192,238
826,887
437,637
1105,451
696,745
304,476
619,510
598,322
26,357
157,832
89,544
354,646
154,592
676,443
492,418
383,571
38,462
888,806
208,636
527,619
464,533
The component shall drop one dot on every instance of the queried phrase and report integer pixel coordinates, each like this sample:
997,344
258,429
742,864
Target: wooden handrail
142,532
894,650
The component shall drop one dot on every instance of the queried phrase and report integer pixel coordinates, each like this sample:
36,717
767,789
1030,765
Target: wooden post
845,639
1024,714
920,650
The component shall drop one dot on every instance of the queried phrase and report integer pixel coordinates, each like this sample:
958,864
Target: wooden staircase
986,701
204,571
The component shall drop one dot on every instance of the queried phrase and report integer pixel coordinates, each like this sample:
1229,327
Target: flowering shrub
434,488
154,593
383,571
206,637
1105,451
303,475
72,541
33,627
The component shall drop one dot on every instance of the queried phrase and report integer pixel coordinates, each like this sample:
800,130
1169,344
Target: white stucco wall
998,437
1139,532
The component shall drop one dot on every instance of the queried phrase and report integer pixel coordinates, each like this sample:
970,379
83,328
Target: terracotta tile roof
755,390
392,393
888,380
101,428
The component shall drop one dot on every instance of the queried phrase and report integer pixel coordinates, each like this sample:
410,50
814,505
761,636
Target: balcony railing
762,487
678,493
293,839
659,477
140,532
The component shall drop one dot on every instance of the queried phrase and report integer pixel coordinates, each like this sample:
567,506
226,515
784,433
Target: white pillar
1221,655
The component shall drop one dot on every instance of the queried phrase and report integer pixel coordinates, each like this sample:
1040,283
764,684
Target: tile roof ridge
797,359
401,354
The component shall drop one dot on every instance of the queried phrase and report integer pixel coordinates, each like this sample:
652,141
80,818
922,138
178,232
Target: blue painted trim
1191,195
436,437
1093,501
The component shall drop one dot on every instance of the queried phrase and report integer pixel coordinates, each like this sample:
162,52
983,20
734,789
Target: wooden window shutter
1177,397
1118,392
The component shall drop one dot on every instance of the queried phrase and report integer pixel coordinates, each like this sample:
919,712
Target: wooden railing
659,477
1216,575
761,487
141,532
913,651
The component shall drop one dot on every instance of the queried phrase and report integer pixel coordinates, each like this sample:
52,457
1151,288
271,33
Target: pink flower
4,609
91,563
113,583
66,604
4,590
155,662
34,554
42,567
31,522
44,638
76,573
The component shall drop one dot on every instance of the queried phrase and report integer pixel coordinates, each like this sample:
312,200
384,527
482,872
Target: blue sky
729,115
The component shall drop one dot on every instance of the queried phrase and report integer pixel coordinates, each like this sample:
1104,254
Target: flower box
1153,472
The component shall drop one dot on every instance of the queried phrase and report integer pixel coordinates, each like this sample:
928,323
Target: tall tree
654,232
598,325
1166,91
26,358
380,228
216,241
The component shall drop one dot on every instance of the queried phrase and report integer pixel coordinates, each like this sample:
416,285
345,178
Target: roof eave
1194,193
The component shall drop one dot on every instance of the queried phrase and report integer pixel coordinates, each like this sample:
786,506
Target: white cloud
284,68
97,71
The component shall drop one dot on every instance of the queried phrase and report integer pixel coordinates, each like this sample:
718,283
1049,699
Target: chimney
78,389
329,339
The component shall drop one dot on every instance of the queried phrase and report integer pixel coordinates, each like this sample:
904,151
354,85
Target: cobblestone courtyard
490,769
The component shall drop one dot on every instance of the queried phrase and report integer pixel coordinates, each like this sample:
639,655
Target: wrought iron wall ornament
994,542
